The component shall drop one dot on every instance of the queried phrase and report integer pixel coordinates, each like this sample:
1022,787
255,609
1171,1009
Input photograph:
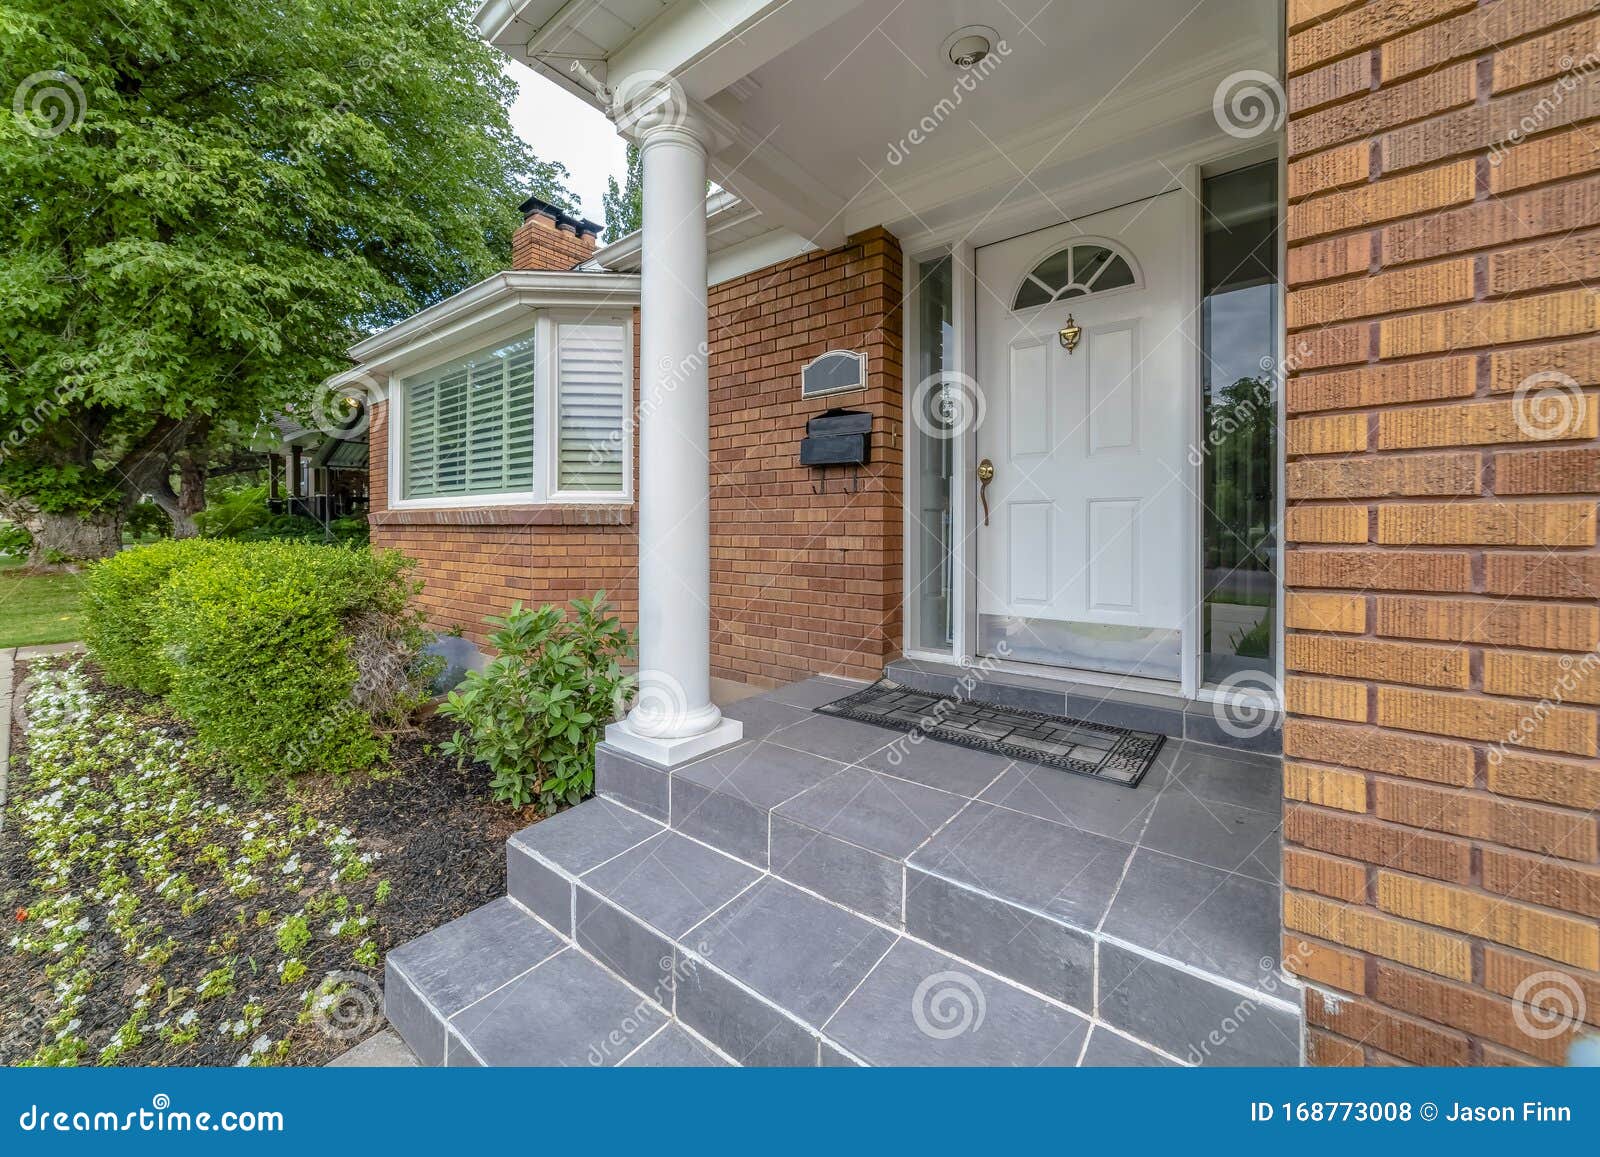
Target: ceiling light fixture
966,47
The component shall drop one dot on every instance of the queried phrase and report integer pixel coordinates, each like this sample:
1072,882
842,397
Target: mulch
441,841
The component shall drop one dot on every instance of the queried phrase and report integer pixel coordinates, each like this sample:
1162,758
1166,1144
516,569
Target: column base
667,751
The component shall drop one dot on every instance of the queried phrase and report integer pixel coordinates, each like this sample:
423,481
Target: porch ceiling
1075,78
817,101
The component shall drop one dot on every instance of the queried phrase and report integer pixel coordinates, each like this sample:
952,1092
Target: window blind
592,391
469,426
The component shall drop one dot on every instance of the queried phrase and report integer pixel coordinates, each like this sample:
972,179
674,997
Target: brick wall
550,239
1442,570
801,582
478,562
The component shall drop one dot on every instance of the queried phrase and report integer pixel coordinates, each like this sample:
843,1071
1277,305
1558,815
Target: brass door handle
985,476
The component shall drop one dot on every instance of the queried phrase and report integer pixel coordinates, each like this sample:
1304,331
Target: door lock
985,476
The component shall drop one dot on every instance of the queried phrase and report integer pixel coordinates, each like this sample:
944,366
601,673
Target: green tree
624,207
204,203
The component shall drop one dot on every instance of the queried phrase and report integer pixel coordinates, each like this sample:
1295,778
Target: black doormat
1114,754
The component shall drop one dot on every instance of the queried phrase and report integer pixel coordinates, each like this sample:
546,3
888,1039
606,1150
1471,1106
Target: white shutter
469,425
592,374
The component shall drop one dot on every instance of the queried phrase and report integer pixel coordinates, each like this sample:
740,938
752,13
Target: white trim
545,492
495,302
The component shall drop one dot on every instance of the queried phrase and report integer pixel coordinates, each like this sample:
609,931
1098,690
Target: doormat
1114,754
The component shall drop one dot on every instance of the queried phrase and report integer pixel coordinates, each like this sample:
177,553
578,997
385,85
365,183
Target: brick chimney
551,238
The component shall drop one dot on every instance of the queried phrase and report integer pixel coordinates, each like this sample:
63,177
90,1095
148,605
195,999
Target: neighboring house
1208,356
318,474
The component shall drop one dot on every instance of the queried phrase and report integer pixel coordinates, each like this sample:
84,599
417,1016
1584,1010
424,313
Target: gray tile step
738,947
1023,881
498,987
1192,720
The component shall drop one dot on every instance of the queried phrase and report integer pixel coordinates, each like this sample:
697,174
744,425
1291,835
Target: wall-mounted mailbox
837,438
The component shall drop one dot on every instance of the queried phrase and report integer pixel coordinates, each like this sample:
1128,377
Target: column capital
673,126
652,108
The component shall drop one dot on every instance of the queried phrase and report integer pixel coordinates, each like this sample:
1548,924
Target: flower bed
160,915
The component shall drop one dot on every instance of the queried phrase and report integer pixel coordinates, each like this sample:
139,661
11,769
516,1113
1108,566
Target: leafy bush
119,605
535,713
234,512
15,540
290,656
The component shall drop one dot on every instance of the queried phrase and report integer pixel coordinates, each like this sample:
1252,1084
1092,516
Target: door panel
1082,563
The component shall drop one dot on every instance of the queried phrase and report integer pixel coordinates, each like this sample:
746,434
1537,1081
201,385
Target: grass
38,608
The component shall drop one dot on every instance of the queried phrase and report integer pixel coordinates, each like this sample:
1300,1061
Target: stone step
774,975
498,987
1193,720
1084,918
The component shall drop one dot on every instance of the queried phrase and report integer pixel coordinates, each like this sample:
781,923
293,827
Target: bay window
543,415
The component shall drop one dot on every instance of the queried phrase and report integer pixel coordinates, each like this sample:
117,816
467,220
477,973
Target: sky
560,127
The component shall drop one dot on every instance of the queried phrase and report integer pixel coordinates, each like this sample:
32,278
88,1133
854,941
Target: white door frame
958,246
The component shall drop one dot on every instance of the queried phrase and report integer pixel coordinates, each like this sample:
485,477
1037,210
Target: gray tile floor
1185,865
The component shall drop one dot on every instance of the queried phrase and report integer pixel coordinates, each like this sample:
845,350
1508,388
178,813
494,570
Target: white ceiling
836,103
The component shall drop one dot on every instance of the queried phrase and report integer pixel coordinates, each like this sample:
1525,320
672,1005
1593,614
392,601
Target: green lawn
38,608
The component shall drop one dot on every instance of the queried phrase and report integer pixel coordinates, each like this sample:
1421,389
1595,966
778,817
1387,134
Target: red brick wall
539,243
478,562
801,582
1442,570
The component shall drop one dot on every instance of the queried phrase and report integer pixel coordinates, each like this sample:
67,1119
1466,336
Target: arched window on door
1079,269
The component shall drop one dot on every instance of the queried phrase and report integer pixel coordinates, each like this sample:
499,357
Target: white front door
1083,560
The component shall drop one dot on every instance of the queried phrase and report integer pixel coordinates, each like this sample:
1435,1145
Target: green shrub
290,657
234,512
119,605
15,540
536,712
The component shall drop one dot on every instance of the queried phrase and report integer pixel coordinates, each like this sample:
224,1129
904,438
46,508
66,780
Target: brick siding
801,582
1441,569
539,243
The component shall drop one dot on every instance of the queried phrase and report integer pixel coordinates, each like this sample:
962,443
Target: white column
673,718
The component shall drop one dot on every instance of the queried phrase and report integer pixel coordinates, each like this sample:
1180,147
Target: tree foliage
624,207
205,202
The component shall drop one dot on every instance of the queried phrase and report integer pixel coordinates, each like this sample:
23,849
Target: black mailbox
837,438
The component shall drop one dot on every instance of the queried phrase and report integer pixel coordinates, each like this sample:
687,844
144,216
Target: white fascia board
710,44
723,210
488,307
756,253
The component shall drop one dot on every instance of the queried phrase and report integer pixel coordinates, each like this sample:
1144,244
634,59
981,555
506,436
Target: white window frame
542,324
